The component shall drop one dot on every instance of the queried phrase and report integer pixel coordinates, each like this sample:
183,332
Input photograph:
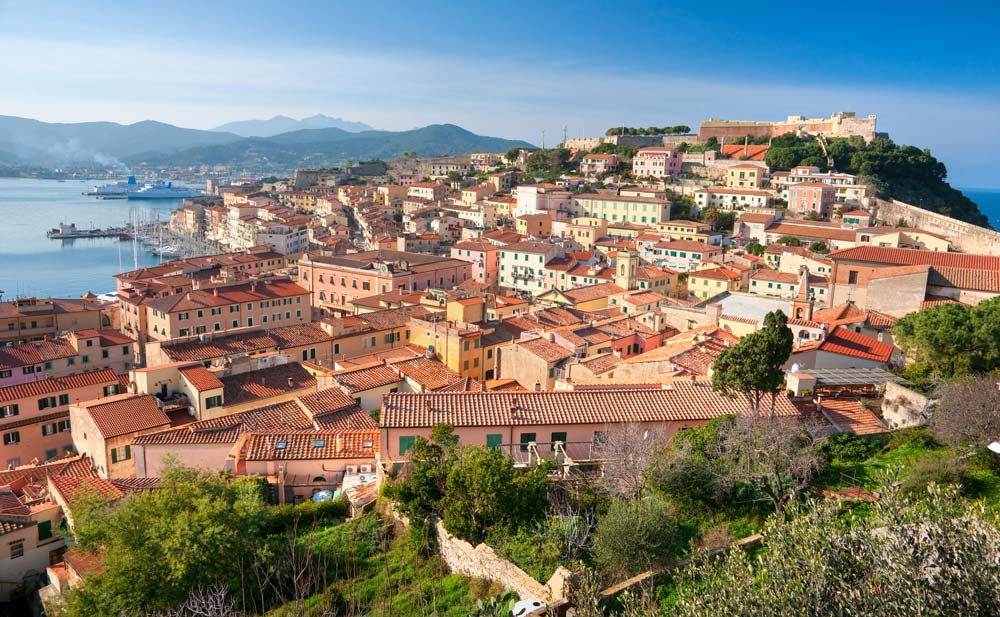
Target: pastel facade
656,163
812,198
617,208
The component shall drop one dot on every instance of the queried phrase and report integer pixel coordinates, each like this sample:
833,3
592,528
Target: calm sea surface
33,265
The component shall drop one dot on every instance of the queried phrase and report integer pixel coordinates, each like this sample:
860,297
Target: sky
931,72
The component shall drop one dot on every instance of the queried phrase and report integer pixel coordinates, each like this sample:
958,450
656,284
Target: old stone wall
482,562
965,237
902,407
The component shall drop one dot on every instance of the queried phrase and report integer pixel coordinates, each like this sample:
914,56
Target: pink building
484,257
598,163
807,197
34,417
656,162
527,426
336,281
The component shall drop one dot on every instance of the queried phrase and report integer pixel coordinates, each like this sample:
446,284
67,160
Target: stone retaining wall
965,237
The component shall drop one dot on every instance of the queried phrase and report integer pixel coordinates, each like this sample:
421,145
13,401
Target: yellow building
745,176
712,282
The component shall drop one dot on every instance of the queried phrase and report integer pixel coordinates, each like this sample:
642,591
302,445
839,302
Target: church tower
626,265
802,303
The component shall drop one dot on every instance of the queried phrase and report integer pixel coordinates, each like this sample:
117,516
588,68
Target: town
588,315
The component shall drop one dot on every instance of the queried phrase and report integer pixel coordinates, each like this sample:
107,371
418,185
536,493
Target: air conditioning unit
351,469
366,469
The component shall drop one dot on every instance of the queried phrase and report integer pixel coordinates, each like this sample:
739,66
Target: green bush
848,448
946,469
635,535
281,518
913,439
537,551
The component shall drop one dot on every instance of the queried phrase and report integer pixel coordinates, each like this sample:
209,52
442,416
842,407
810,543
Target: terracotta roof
311,445
266,382
200,378
349,419
35,352
880,321
233,293
643,298
756,218
839,315
465,384
930,300
327,401
849,343
851,416
679,402
749,151
124,414
366,378
285,416
888,255
880,273
592,292
58,384
601,363
799,229
84,563
430,373
546,350
247,342
775,276
71,488
689,245
721,273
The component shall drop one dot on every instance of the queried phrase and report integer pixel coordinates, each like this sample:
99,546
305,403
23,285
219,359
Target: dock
69,232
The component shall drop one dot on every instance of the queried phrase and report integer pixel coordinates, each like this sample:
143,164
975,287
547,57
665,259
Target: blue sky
930,71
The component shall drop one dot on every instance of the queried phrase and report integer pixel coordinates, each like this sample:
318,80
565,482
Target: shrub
537,552
281,518
635,535
848,448
946,469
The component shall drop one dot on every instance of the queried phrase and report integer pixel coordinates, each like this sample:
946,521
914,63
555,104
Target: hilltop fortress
839,124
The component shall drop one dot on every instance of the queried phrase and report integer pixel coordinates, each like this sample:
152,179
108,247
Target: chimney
338,443
538,387
291,382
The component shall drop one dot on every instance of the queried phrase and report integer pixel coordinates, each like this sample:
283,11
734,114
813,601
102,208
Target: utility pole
543,139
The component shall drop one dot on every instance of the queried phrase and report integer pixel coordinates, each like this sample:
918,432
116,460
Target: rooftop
125,414
679,401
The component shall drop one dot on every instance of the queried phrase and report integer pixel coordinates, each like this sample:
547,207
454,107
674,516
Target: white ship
148,190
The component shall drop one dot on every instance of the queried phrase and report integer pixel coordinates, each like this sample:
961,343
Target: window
526,438
86,359
559,436
336,348
9,410
5,374
852,277
28,370
494,441
11,438
64,398
46,403
406,443
213,401
104,354
17,550
121,454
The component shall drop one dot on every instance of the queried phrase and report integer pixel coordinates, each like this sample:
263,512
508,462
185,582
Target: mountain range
283,124
31,142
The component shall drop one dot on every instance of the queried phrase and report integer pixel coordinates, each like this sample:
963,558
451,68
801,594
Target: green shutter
494,441
44,530
526,438
559,436
406,444
114,455
128,452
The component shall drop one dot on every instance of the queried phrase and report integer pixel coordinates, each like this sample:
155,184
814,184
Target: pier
68,232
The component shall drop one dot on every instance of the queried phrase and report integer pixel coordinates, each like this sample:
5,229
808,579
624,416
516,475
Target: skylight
319,443
282,445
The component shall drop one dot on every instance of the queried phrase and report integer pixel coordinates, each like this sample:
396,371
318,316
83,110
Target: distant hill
284,124
332,146
43,143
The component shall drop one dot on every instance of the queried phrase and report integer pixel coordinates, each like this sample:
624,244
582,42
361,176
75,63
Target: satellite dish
795,367
994,447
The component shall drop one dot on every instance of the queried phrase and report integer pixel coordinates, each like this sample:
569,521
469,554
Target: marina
72,232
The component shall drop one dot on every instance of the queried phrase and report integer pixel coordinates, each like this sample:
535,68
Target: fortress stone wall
839,124
965,237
